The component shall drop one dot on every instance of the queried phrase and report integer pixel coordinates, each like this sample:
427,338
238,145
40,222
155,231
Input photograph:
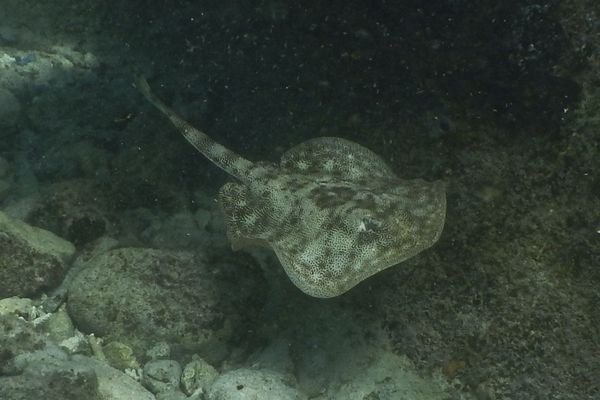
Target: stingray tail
230,162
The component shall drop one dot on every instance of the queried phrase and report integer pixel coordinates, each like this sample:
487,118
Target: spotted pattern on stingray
332,210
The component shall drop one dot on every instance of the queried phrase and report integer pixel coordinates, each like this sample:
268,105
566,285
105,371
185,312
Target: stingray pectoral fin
247,217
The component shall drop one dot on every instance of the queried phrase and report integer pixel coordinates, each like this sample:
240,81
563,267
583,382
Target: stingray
333,211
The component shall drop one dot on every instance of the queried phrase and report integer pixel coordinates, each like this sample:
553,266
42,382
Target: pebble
120,356
160,350
77,344
161,375
58,326
197,375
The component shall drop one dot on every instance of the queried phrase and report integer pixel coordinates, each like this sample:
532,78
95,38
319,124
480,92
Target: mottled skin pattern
332,210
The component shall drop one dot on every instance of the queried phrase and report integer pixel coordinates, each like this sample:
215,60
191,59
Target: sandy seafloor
116,276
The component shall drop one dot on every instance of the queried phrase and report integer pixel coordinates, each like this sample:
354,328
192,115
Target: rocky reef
117,280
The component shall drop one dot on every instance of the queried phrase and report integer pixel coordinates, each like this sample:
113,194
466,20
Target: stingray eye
368,224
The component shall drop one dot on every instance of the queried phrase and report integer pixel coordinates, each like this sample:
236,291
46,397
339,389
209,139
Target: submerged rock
197,375
75,209
161,375
31,259
56,384
388,376
247,383
15,306
120,356
144,296
33,366
53,375
17,336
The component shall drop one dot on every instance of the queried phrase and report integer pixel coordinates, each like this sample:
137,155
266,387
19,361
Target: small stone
197,374
16,306
58,326
160,350
161,375
77,344
113,384
120,356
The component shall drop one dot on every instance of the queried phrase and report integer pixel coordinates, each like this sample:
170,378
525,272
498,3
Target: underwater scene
294,200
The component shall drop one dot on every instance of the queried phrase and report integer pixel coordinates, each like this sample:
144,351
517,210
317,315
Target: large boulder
141,296
31,259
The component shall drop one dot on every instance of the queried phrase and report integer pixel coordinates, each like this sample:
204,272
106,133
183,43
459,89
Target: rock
112,383
32,367
81,377
56,384
31,259
74,209
21,207
389,376
120,356
25,328
253,384
160,350
197,375
17,336
143,296
58,326
82,259
15,306
161,375
76,344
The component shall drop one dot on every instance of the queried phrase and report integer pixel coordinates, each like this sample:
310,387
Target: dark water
498,99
